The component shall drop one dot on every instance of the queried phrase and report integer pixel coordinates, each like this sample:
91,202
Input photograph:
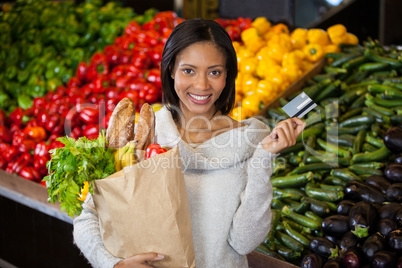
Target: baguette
121,124
145,129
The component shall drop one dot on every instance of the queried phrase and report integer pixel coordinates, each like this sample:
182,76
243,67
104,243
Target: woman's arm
252,220
88,238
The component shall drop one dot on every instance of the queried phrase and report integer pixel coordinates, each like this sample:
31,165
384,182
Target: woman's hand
283,135
140,261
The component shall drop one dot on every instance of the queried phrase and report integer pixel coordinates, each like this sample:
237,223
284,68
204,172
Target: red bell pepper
89,115
141,61
132,28
154,149
39,164
26,146
112,54
91,131
74,82
76,132
55,144
37,133
29,173
17,117
82,69
99,66
24,160
41,150
125,57
3,163
52,122
154,76
5,134
10,154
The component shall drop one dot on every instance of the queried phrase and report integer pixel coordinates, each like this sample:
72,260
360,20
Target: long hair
185,34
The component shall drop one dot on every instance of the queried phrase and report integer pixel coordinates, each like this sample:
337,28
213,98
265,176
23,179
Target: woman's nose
201,82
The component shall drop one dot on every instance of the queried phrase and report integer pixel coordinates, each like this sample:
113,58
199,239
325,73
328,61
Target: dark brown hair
185,34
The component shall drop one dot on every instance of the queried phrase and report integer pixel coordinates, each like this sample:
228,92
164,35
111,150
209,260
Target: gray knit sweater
229,192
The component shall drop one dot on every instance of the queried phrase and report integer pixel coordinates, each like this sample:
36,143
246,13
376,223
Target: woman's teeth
199,97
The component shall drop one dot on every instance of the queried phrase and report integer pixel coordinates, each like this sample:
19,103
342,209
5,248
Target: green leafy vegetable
69,167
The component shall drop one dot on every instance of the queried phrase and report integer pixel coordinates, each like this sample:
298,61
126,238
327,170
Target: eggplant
399,262
378,182
385,226
349,240
361,218
383,259
312,260
333,263
335,225
372,244
351,258
394,192
398,159
398,218
393,172
323,247
359,191
343,207
394,240
333,239
388,211
393,139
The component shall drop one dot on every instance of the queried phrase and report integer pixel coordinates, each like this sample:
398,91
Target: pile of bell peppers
271,57
82,107
42,42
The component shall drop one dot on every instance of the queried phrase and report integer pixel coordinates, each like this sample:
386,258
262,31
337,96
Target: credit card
299,106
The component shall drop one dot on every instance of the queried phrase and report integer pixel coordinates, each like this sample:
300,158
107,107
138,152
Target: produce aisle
65,66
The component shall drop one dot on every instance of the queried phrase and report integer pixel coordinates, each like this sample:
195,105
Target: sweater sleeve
88,238
252,220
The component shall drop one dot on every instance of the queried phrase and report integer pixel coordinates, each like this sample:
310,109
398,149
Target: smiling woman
226,164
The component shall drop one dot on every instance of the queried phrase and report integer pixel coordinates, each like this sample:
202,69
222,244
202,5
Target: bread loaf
121,124
145,129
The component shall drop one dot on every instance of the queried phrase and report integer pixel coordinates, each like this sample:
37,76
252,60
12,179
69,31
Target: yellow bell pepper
337,34
239,113
238,82
331,48
252,40
291,72
292,58
280,28
267,91
313,52
317,36
352,39
248,65
84,192
264,65
276,51
252,104
268,35
261,24
298,38
282,40
249,83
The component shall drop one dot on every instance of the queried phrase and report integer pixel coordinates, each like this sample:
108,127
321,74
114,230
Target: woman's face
199,78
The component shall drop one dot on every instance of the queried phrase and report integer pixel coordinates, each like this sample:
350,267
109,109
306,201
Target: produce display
83,106
330,188
42,43
271,57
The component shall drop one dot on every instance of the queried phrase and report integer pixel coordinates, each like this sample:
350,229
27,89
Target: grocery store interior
337,192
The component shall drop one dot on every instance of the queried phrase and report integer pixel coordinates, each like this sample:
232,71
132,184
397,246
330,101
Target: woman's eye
187,71
216,73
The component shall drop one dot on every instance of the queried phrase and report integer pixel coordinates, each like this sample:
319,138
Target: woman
226,164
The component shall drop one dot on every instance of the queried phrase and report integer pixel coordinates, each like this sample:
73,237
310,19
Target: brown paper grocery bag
144,208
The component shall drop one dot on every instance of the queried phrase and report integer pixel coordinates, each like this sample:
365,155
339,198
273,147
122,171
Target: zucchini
328,91
313,216
381,59
300,219
344,59
318,207
378,155
265,250
289,242
365,171
357,121
373,66
333,130
384,103
292,181
334,181
296,235
333,161
351,113
345,174
358,142
323,194
333,148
